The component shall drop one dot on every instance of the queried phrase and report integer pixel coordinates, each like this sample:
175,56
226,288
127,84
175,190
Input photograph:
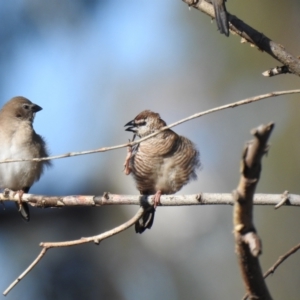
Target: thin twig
30,267
281,259
96,239
197,115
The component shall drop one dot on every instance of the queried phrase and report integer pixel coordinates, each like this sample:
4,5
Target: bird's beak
131,126
35,108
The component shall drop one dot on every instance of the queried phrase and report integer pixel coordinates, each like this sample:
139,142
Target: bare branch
42,201
30,267
95,239
253,37
281,259
197,115
247,242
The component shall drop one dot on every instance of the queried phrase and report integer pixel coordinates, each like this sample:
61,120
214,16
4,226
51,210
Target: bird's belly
158,176
16,175
166,178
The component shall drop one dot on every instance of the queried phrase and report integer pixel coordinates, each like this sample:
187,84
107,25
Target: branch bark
254,37
42,201
247,242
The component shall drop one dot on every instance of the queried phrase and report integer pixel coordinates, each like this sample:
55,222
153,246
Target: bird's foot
19,202
22,206
157,199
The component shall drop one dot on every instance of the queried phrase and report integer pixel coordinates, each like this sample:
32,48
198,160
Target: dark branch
247,242
254,37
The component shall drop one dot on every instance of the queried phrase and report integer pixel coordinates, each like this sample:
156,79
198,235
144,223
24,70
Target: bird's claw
157,199
19,202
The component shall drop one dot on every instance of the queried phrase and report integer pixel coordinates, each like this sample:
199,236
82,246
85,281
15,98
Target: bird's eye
26,106
141,123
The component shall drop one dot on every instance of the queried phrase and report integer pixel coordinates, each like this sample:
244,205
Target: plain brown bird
19,141
161,164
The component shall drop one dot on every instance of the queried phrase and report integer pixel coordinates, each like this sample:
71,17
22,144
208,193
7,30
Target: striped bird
160,165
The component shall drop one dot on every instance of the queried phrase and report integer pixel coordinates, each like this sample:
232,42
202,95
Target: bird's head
21,108
145,123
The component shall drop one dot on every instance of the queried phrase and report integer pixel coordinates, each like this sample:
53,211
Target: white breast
16,175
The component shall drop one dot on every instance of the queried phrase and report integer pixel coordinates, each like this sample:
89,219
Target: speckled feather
165,162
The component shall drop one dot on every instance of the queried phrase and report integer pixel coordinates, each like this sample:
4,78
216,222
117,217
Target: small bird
161,164
221,16
20,141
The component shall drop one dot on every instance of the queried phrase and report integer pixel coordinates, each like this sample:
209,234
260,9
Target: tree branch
247,242
42,201
197,115
253,37
281,259
95,239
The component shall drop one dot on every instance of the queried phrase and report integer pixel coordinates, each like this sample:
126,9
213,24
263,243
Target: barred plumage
161,164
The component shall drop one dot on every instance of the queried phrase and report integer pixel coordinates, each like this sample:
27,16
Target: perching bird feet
157,199
22,207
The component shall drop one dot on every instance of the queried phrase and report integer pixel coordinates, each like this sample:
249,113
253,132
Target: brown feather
163,163
20,141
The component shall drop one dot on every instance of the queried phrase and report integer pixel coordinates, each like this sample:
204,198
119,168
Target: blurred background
93,66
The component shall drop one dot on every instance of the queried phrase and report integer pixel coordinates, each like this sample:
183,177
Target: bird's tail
24,211
221,17
146,221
